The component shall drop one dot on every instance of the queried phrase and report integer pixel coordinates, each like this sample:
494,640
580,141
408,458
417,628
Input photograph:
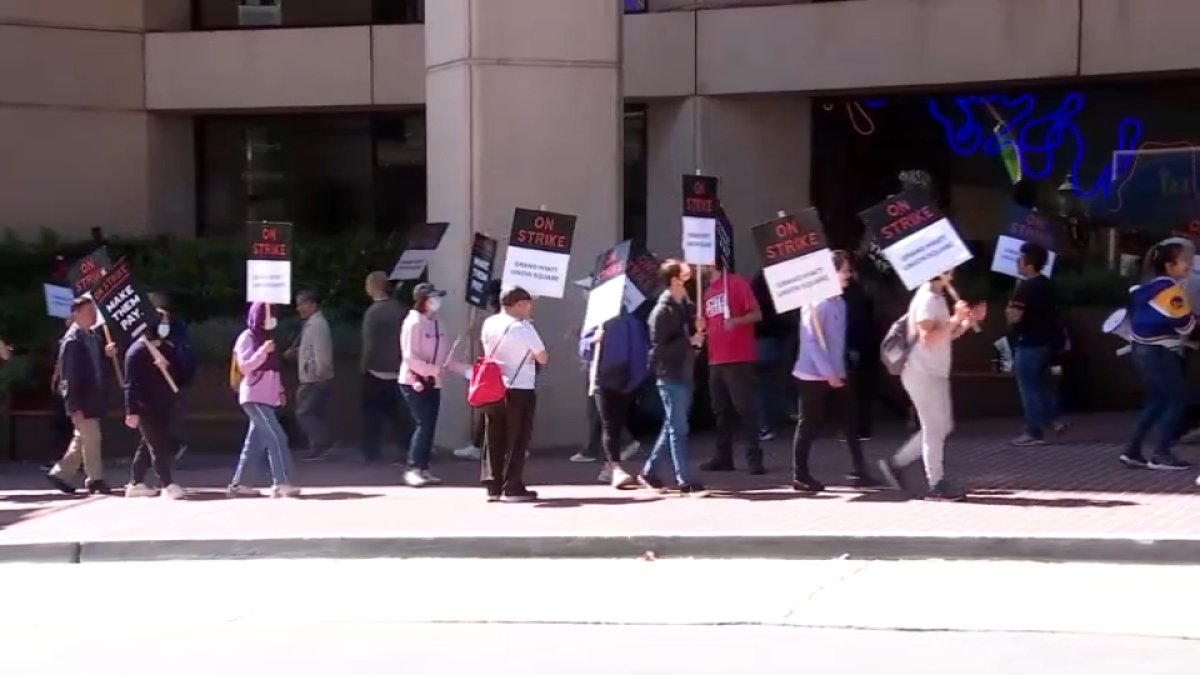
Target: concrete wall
1130,36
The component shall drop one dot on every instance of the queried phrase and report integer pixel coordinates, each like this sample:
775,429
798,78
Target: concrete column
524,108
760,148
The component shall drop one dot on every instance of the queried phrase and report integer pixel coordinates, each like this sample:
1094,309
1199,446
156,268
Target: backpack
487,387
897,345
235,373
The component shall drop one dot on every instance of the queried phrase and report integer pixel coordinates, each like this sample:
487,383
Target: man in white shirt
926,378
510,339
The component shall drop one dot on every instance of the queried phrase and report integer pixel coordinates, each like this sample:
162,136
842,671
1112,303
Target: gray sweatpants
930,396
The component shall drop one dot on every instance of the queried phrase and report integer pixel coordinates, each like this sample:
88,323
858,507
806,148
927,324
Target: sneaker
60,484
283,491
1025,440
430,478
765,435
807,485
755,466
621,480
415,478
606,474
1168,463
139,490
317,455
520,496
718,465
1059,427
651,482
945,491
630,451
892,475
172,491
179,454
863,481
1191,437
693,490
98,487
470,453
582,457
235,491
863,438
1134,461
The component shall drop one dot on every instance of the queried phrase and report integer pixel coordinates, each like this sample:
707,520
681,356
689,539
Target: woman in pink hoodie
261,394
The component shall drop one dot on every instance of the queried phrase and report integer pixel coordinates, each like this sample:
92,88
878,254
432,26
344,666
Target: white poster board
1005,260
539,252
1024,226
269,263
699,220
797,263
916,239
58,300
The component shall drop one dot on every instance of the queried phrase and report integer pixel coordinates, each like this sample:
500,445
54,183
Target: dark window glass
258,14
635,172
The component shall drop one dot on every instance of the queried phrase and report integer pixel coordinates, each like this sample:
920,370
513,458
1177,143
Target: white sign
606,300
542,273
411,265
1005,260
801,281
58,301
930,252
269,281
699,240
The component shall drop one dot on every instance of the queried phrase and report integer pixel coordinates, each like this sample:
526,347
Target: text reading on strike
906,218
269,249
538,238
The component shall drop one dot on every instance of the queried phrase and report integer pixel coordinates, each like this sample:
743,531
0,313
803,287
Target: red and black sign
643,273
789,237
543,231
483,262
700,196
900,216
269,241
121,303
1032,227
639,266
88,271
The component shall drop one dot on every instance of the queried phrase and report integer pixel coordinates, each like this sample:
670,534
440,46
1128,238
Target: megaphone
1117,324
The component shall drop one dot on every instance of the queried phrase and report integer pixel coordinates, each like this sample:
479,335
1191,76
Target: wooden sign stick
158,359
957,298
115,361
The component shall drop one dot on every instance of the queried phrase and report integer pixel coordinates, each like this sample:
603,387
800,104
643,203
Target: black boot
60,484
98,487
754,462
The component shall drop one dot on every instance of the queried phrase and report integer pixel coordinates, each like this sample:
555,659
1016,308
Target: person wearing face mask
425,352
821,377
1036,335
1160,317
261,394
151,408
173,330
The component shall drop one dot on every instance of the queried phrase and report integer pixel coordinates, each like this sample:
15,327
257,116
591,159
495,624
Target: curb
798,547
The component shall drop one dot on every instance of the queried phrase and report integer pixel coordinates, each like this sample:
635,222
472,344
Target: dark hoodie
81,373
146,390
671,327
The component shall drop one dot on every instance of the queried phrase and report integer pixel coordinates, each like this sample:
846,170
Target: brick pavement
1072,489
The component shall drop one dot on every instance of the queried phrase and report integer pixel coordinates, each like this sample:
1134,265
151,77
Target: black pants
509,430
381,406
595,439
731,394
613,410
820,404
159,442
478,429
864,379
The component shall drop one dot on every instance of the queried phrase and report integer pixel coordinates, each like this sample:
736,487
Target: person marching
80,377
675,336
618,354
380,366
425,350
314,361
1160,317
151,408
1038,336
173,329
932,330
510,339
825,394
261,394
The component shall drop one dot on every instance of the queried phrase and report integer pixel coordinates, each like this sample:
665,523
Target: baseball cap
426,290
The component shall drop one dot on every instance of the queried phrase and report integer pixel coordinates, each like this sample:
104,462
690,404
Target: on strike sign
1024,226
269,263
422,246
797,263
700,220
916,238
121,302
539,252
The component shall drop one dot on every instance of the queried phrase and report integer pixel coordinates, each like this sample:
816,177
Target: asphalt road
587,650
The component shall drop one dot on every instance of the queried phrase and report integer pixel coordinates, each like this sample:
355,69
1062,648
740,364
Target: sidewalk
1070,501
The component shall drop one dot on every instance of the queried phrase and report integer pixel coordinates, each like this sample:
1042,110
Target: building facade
189,117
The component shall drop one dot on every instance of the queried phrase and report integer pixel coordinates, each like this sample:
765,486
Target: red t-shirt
729,344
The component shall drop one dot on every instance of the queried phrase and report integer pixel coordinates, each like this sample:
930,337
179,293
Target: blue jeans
1166,397
424,406
677,401
265,438
1031,367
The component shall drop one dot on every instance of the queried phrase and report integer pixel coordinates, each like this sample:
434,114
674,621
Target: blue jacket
81,373
624,354
1159,313
822,355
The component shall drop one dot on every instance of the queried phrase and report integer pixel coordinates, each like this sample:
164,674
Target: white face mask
164,329
271,323
434,304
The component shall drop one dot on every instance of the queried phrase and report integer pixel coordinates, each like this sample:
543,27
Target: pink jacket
425,346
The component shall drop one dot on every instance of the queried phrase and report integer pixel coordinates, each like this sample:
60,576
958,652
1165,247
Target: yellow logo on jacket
1171,302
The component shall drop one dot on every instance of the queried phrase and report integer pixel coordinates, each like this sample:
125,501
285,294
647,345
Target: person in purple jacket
261,394
820,372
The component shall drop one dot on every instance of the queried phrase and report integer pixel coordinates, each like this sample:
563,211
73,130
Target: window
258,14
